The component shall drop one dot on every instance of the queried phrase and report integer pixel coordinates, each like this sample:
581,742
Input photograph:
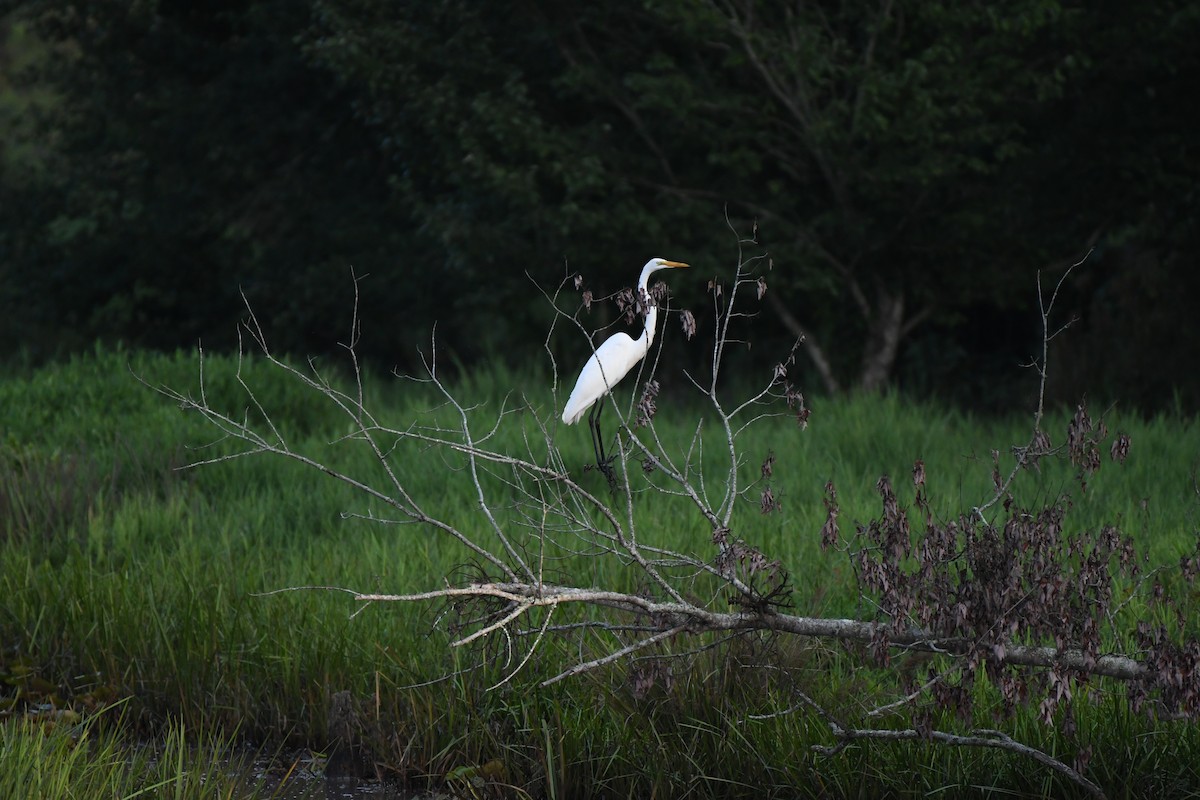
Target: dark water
313,779
317,787
304,778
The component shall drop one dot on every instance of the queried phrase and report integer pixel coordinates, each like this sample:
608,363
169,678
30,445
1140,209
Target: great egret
610,363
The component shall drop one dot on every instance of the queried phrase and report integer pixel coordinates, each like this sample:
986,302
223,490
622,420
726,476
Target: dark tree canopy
910,168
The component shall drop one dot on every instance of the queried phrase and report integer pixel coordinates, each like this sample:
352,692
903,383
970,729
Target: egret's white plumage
619,353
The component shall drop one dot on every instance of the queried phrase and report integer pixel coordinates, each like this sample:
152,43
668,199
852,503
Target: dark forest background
910,168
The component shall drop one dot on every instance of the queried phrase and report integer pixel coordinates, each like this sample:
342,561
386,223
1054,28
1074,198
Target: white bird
611,362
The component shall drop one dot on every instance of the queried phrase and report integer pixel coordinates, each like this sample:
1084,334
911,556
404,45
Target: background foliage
910,169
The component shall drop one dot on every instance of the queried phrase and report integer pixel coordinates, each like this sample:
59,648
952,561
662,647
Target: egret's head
662,263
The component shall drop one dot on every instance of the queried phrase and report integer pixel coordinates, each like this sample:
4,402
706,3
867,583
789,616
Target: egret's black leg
594,427
602,462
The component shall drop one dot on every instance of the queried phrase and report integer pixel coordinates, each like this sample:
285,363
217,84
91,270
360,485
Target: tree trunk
883,341
885,328
811,346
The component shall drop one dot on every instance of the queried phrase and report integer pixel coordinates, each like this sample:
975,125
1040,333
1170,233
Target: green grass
67,758
122,576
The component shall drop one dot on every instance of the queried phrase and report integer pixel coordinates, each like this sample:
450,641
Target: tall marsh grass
93,759
123,576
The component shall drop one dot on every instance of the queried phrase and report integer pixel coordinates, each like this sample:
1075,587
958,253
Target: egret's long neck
647,337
